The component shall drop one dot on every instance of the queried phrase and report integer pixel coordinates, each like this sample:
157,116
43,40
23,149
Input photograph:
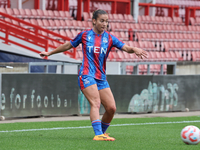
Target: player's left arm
139,52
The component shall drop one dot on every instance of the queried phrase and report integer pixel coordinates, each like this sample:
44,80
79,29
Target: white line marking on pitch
116,125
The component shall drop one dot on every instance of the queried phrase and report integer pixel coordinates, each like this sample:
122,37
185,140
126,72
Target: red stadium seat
129,69
33,21
58,24
24,25
178,55
16,13
173,56
46,14
142,69
9,11
69,34
40,23
79,25
195,46
153,20
168,56
80,55
129,18
28,13
22,13
63,24
90,24
85,16
121,56
68,23
111,18
123,36
118,26
109,58
121,18
148,19
40,13
46,24
194,56
198,55
56,15
3,10
85,25
143,19
67,14
163,56
112,26
151,28
142,27
178,21
127,56
8,20
52,24
63,33
126,26
35,13
62,15
114,56
152,56
74,33
115,18
136,27
50,42
158,56
197,20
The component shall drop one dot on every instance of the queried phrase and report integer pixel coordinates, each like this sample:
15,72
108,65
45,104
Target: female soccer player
96,45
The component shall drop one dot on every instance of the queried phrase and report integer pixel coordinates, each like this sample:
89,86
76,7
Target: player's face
100,24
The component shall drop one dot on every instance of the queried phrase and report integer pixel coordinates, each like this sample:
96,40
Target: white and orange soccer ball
190,135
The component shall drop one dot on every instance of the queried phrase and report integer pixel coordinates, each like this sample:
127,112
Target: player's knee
95,103
111,109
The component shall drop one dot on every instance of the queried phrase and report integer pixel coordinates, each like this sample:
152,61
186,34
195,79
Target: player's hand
140,53
43,54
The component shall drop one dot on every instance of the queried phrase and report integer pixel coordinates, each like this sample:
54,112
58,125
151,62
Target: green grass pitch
130,134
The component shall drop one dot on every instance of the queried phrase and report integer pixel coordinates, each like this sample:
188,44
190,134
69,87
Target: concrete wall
188,68
112,68
28,4
17,68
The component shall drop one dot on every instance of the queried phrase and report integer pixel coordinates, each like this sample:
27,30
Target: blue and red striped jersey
96,48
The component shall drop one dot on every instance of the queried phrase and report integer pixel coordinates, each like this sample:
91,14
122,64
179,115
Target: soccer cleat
107,134
103,137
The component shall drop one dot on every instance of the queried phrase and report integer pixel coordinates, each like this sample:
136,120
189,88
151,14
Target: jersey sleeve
117,42
77,40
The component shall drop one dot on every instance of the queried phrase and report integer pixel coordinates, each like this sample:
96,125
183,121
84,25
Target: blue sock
96,124
104,126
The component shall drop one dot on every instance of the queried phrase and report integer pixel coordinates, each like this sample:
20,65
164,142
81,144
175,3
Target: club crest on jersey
89,37
105,40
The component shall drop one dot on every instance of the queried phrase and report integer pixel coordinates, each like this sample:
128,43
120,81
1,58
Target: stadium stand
165,38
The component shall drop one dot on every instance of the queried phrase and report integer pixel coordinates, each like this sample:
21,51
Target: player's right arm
59,49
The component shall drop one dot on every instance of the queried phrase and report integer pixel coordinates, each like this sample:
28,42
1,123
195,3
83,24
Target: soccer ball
190,135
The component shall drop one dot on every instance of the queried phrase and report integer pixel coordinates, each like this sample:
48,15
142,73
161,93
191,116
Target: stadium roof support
87,6
190,12
171,8
37,4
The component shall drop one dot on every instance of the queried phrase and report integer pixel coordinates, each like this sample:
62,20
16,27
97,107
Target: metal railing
136,66
47,64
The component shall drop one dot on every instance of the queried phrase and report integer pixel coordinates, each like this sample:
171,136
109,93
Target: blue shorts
85,81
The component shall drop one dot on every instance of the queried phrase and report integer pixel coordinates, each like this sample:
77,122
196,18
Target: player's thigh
107,98
92,94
